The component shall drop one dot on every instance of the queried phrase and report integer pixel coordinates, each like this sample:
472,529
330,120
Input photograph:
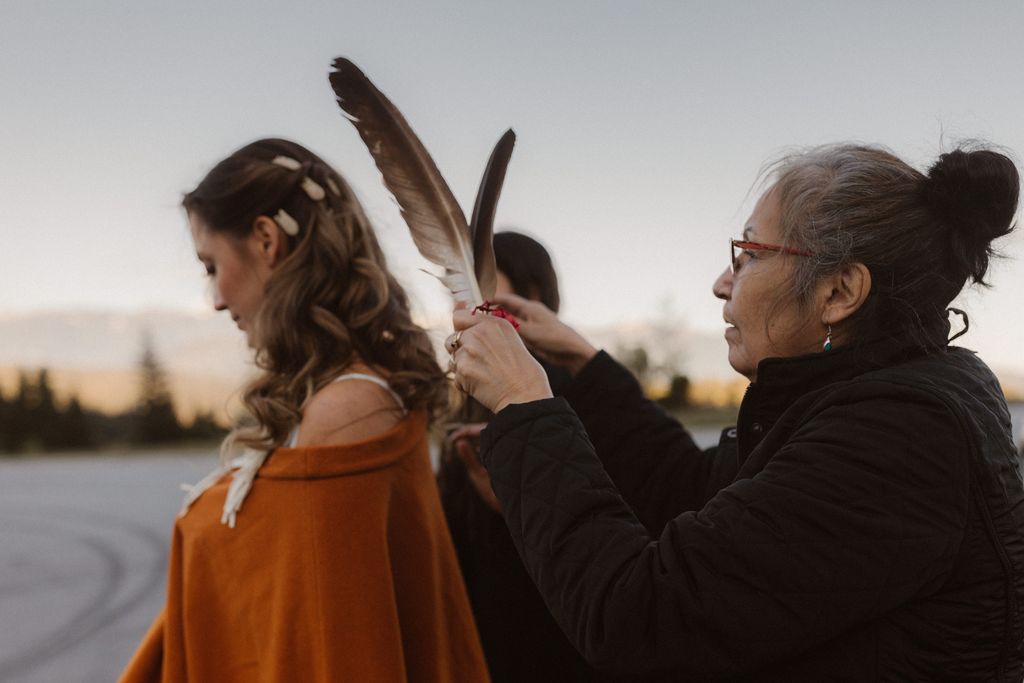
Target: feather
481,226
436,222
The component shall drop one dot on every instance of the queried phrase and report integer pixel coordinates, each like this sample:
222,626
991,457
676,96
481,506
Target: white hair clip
313,189
334,187
287,162
287,223
309,186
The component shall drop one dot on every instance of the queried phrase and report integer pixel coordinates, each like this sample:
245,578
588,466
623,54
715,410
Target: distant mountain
190,343
94,354
669,343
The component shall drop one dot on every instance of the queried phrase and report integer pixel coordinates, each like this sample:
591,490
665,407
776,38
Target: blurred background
641,130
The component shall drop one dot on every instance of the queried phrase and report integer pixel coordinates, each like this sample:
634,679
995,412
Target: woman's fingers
471,430
464,318
514,304
469,455
493,366
546,335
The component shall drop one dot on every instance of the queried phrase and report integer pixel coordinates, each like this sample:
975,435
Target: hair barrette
287,162
313,189
286,223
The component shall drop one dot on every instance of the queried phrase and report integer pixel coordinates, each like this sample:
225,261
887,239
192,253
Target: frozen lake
83,552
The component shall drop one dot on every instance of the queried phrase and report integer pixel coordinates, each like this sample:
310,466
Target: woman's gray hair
921,236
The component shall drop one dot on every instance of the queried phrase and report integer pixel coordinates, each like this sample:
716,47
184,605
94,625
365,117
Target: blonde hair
329,303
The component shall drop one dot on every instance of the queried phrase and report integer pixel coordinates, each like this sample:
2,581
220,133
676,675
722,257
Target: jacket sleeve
652,459
851,517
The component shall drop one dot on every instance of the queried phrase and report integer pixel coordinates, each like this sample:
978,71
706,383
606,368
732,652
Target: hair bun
974,195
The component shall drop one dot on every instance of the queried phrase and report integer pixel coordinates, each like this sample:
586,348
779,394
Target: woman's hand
466,443
491,364
546,335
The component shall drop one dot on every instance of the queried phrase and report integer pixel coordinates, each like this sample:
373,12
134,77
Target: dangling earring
827,346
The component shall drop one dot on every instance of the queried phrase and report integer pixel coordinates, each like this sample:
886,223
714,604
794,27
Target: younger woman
320,553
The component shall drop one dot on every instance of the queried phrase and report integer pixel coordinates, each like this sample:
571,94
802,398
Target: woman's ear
844,293
269,240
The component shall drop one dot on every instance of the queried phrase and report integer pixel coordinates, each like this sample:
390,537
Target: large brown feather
481,226
435,220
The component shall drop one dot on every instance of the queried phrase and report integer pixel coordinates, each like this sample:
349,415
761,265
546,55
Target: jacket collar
781,381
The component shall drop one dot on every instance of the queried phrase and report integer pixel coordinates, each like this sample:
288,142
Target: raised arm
645,451
648,454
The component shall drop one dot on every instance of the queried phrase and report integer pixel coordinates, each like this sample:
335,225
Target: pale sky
641,126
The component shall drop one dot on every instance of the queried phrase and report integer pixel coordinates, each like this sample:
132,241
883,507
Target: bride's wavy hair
330,302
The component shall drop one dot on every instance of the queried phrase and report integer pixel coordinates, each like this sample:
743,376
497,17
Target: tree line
32,419
638,361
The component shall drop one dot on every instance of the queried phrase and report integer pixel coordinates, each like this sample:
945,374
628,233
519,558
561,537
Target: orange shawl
340,568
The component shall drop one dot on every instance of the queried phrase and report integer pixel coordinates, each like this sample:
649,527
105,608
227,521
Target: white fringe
243,470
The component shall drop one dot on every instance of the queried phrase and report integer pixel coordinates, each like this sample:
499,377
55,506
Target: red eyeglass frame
746,245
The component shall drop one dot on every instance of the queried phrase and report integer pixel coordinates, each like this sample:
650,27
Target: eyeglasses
737,247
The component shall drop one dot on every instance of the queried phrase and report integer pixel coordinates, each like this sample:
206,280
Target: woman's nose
218,301
723,285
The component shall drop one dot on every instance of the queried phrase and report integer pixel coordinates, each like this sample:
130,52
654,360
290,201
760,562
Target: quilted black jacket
863,522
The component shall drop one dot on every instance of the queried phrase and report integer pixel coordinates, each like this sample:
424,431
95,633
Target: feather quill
481,225
436,222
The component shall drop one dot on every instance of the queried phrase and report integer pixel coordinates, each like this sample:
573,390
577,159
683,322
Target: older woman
865,519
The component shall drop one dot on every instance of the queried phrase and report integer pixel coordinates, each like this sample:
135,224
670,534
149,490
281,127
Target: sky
641,128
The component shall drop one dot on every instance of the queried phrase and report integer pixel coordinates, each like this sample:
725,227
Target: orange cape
340,568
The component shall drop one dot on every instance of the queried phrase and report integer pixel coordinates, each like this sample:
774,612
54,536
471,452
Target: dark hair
331,300
527,265
922,237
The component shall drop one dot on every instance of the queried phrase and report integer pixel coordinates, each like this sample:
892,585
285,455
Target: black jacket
521,640
864,522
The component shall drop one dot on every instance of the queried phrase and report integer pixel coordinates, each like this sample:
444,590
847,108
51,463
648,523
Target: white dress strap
379,381
293,438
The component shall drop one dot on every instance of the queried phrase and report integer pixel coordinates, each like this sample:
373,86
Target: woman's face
237,272
760,324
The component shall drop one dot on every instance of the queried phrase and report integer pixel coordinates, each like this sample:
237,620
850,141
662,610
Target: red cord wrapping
498,312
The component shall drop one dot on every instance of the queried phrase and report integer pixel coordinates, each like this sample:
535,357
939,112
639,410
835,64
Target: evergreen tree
19,416
204,427
44,416
678,395
75,429
5,422
155,420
